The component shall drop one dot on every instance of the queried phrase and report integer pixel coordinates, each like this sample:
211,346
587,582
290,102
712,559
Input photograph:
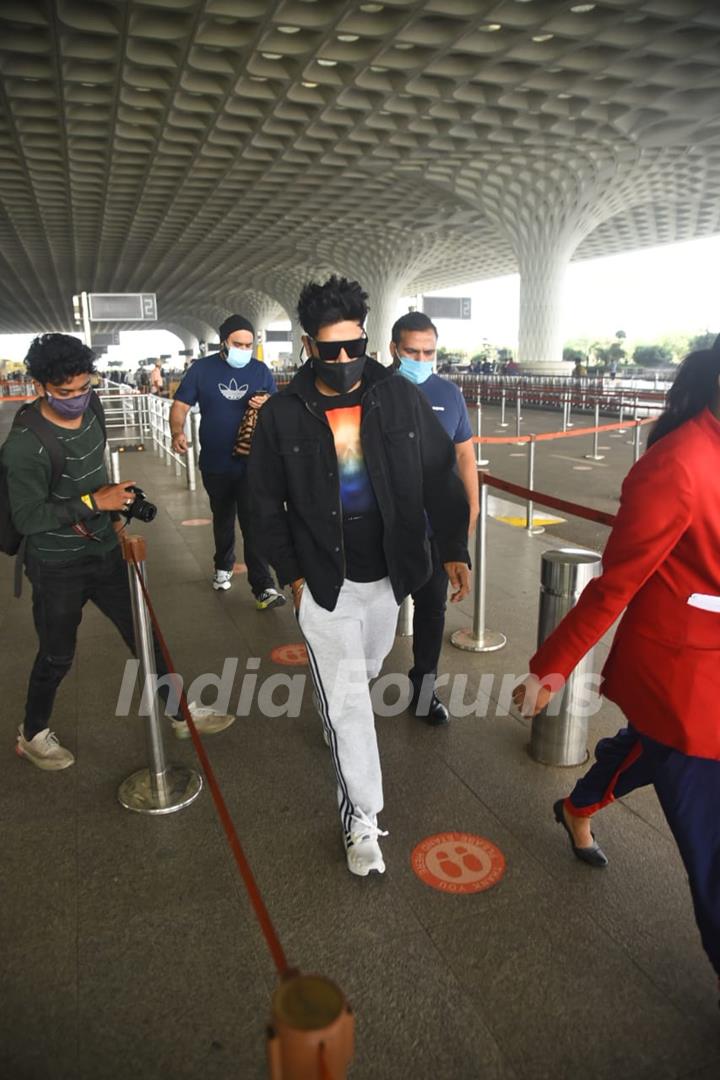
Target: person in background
225,384
157,381
414,351
347,465
662,566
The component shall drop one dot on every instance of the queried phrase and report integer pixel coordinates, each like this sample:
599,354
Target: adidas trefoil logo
233,392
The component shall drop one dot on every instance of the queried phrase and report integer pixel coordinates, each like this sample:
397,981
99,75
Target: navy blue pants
689,792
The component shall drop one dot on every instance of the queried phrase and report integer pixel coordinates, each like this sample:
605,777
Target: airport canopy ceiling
221,152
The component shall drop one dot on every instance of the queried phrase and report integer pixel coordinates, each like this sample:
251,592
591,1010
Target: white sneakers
362,847
206,720
222,580
44,750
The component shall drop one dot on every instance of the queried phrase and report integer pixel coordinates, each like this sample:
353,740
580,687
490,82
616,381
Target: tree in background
701,341
652,356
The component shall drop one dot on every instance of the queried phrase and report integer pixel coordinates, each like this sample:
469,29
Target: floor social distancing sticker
456,862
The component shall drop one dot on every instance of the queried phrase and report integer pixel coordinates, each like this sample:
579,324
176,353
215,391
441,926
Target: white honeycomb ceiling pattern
219,152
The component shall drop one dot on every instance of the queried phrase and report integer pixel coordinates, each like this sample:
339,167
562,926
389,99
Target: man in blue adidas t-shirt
414,350
225,385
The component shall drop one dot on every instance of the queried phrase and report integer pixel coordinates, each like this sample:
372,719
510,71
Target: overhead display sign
113,338
447,307
122,307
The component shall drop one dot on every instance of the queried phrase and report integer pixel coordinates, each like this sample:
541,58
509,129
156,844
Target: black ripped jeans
60,592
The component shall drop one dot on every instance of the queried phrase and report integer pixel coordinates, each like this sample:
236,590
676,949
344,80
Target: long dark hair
694,388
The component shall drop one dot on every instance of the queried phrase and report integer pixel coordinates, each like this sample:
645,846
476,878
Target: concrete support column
385,295
543,265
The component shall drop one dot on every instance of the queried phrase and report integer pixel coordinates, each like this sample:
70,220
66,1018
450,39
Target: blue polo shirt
449,406
222,392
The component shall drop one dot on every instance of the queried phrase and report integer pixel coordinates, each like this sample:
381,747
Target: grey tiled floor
128,945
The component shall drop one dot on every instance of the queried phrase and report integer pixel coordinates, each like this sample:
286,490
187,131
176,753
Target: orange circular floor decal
239,568
458,862
291,655
197,521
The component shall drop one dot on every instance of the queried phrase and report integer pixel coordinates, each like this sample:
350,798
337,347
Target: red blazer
664,666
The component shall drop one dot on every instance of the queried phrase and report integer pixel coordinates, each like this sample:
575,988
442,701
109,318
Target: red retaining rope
243,865
551,501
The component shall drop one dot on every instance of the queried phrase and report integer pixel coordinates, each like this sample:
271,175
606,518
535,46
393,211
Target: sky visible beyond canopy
649,294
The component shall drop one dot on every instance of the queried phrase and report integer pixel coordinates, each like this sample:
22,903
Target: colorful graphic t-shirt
362,523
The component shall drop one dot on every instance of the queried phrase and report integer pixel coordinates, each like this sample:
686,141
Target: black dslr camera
139,508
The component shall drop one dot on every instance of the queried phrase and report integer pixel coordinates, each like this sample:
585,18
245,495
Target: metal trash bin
561,738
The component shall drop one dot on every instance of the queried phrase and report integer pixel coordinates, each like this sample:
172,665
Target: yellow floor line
519,522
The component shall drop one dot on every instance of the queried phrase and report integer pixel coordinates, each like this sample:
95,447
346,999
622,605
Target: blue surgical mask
417,371
238,357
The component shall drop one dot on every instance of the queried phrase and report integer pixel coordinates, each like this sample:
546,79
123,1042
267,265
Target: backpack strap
30,417
97,407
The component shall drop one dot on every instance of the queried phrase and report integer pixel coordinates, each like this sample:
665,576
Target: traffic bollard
160,788
478,638
559,732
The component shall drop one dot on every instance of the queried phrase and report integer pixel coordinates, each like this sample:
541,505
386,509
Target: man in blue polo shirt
225,385
414,351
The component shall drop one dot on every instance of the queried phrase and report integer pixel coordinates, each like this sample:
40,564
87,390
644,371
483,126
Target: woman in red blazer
662,567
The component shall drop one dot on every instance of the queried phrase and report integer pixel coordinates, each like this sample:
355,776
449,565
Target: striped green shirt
47,522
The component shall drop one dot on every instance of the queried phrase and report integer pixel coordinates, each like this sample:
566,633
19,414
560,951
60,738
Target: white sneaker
44,750
362,847
222,580
207,721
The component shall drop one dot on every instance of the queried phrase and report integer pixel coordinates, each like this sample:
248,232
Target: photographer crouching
59,501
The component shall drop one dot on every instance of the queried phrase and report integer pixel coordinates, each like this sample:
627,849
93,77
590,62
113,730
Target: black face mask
340,376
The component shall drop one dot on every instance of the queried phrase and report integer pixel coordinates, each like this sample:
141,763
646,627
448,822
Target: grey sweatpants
346,648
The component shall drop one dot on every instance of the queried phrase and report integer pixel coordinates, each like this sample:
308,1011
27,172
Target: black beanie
235,322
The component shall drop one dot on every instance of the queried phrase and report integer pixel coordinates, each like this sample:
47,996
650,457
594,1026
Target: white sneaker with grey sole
207,721
44,750
222,580
362,847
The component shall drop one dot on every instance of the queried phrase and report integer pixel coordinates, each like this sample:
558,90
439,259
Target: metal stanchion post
569,408
564,413
518,417
115,467
621,418
160,788
480,460
503,400
595,456
531,487
477,638
405,618
636,441
561,739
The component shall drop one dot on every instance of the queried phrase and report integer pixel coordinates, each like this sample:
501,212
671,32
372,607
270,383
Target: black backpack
29,416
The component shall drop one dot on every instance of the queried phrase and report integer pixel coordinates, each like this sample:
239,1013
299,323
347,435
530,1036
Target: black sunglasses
330,350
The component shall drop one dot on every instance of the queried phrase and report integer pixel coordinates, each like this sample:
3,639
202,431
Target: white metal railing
158,415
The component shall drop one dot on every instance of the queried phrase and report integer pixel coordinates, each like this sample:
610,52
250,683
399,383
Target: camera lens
144,510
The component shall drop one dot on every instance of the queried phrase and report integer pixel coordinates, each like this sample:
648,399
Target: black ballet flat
593,856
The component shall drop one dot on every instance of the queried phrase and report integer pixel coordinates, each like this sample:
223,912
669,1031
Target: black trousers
229,497
689,792
429,621
60,592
